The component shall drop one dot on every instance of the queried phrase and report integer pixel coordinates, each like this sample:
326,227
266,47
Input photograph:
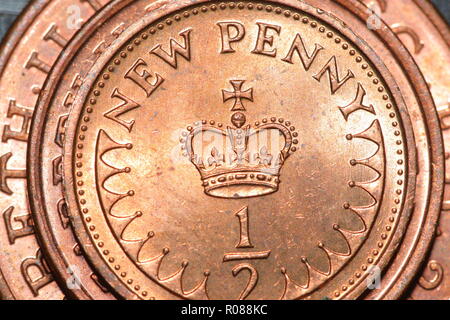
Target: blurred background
9,9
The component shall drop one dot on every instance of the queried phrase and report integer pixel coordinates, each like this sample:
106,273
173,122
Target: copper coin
52,219
239,119
27,54
325,145
427,36
48,202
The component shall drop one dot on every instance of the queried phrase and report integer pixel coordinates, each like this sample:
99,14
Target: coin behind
27,54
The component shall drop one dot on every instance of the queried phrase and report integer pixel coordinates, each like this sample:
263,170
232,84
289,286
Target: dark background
9,9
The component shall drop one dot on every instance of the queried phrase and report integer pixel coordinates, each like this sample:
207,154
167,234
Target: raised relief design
61,131
105,171
252,280
265,41
357,104
94,4
26,114
25,221
444,115
35,62
141,76
436,268
238,95
53,35
333,74
399,29
63,213
244,241
226,28
243,161
57,169
6,174
70,95
103,46
175,49
45,276
125,107
298,46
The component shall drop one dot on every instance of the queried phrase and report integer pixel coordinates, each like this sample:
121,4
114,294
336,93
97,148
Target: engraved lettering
57,170
99,282
335,81
226,28
6,173
444,113
63,213
15,110
299,47
118,30
77,250
102,46
402,29
61,130
100,49
175,50
45,275
76,84
357,104
126,106
142,78
264,39
35,62
25,221
244,240
252,281
53,35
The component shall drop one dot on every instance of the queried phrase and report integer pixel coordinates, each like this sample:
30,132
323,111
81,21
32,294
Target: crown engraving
239,161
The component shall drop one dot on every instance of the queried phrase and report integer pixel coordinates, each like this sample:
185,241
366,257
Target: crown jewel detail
239,161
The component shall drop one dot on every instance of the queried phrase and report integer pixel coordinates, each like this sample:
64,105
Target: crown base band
241,185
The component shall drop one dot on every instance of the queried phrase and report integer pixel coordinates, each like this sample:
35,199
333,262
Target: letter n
332,70
299,47
126,106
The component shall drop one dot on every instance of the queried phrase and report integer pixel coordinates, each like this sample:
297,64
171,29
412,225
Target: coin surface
27,54
427,37
326,138
45,186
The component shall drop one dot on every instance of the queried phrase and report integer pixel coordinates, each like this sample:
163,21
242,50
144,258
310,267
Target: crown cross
238,95
236,169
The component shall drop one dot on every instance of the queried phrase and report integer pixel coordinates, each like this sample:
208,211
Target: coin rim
420,248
